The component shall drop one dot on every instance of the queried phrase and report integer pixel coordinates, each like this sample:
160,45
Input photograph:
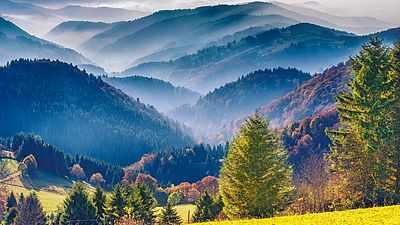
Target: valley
128,112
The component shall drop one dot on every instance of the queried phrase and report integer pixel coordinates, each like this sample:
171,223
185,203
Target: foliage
169,216
99,200
189,193
77,172
256,177
114,207
97,179
148,180
77,207
174,198
361,154
207,208
30,211
178,165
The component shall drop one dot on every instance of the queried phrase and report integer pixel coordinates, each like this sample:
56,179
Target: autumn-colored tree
77,172
148,180
97,179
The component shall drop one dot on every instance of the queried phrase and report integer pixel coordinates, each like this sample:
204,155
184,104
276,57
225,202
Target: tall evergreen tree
255,178
114,207
12,209
169,216
394,118
78,209
99,199
364,111
30,212
148,204
11,201
204,208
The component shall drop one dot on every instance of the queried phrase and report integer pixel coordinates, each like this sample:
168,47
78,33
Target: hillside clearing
389,215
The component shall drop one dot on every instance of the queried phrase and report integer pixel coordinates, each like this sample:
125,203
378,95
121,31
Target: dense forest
162,95
80,113
177,165
237,99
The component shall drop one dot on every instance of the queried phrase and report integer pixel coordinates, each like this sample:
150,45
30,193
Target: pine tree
394,118
204,208
364,113
99,199
77,208
12,209
114,207
11,201
169,216
30,212
255,178
148,204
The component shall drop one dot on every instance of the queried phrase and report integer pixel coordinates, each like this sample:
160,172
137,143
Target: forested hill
238,98
16,43
311,98
163,95
317,47
80,113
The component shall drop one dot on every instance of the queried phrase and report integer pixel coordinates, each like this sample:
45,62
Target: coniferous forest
131,112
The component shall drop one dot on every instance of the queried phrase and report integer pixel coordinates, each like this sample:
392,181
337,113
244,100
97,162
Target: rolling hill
80,113
236,99
16,43
163,95
317,47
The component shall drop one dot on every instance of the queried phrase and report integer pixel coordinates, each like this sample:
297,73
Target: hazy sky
384,9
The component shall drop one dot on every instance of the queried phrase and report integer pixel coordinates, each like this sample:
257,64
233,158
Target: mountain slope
163,95
233,100
66,32
317,47
16,43
80,113
313,97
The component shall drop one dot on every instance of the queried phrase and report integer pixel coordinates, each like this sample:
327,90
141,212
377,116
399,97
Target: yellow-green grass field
389,215
182,211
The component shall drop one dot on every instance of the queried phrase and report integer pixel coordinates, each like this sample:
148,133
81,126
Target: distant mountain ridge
81,114
317,47
15,43
163,95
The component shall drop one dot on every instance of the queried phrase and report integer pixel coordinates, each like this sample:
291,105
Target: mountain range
168,34
317,47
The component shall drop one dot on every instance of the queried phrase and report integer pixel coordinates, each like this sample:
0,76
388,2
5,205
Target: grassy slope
50,188
379,215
